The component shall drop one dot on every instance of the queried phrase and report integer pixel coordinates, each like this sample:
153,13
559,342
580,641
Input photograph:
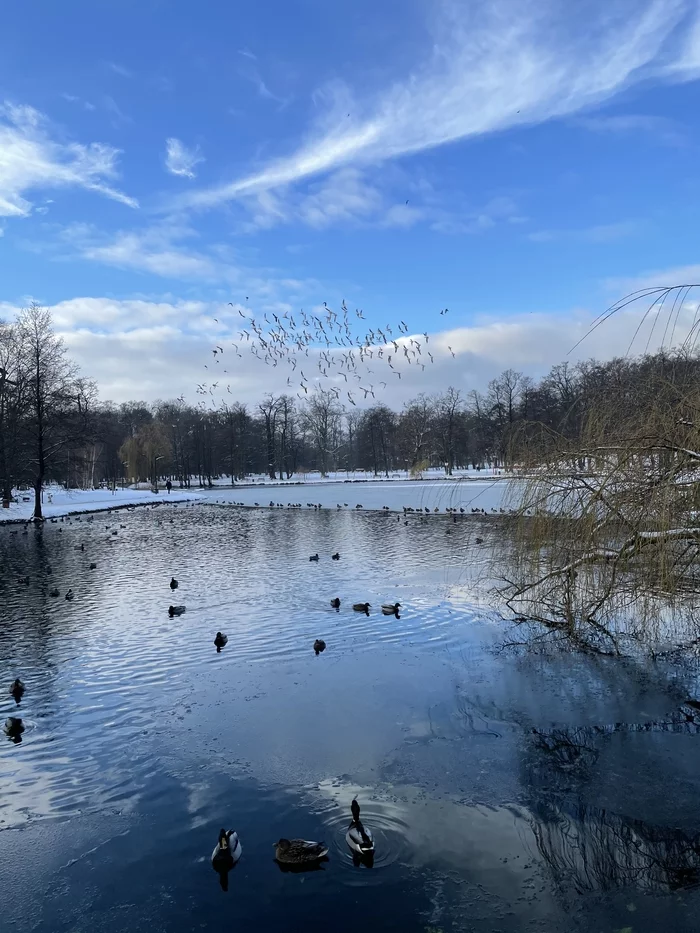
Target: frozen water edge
468,493
485,494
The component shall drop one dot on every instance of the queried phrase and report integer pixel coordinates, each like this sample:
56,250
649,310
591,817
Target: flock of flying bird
324,346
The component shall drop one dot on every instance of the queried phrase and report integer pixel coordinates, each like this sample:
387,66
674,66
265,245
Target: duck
173,583
299,851
55,591
391,609
23,581
227,850
357,837
335,603
314,557
175,610
319,645
220,640
17,689
335,556
14,726
93,566
70,595
361,607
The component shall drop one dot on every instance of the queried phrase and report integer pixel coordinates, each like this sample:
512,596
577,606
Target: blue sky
522,164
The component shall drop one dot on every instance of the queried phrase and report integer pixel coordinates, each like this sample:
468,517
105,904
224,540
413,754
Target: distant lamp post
125,463
155,473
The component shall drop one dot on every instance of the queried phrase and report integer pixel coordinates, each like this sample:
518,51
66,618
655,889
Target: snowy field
486,494
60,501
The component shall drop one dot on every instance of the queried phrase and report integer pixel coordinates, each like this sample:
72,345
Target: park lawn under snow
60,501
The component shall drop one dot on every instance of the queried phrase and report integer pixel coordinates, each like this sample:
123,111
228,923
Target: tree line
54,428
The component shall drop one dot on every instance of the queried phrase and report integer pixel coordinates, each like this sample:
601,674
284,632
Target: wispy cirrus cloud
118,69
348,196
160,250
30,160
662,129
598,233
490,67
179,160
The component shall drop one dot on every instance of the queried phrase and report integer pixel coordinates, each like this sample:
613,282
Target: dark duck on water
357,837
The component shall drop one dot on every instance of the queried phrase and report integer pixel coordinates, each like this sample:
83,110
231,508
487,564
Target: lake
507,790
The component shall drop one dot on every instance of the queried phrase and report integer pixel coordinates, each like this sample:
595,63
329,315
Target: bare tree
13,400
322,418
448,409
59,402
269,409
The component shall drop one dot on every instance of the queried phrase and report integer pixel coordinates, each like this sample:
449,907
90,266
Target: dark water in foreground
505,792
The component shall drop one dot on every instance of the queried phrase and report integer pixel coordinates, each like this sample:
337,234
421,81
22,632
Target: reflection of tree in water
591,849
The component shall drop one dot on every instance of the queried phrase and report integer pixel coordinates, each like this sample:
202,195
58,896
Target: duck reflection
14,727
318,865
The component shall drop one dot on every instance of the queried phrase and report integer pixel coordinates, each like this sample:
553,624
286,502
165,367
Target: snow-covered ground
487,494
60,501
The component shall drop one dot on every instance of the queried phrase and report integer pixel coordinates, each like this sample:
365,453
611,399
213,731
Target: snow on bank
60,501
475,494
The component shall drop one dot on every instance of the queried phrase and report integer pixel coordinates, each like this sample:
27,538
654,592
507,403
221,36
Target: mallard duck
175,610
335,556
357,837
55,591
93,566
299,851
14,726
23,581
361,607
220,640
314,557
173,583
391,609
335,603
70,595
227,850
319,645
17,689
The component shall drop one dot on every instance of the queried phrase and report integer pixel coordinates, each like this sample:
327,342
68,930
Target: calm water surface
506,791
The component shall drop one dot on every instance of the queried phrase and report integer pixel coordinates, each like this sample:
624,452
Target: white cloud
179,160
31,160
158,250
499,65
159,348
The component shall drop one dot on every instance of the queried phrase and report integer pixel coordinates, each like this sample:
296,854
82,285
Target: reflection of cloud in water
504,850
